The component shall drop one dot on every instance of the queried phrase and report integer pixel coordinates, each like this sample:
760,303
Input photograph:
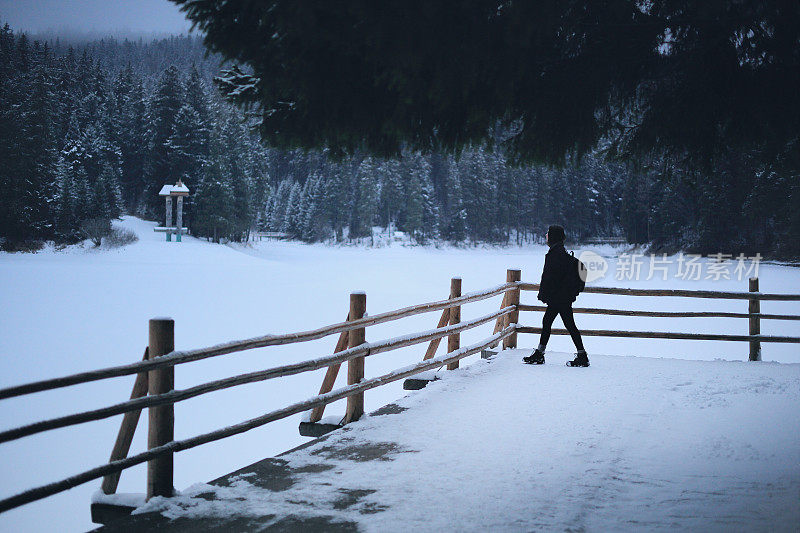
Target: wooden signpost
178,191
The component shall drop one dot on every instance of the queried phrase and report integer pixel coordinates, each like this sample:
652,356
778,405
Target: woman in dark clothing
556,292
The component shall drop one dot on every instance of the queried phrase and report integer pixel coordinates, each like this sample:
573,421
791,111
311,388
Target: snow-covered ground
79,309
629,444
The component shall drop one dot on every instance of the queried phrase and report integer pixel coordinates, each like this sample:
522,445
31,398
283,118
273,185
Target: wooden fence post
454,341
161,428
126,430
512,274
330,376
754,308
355,367
434,345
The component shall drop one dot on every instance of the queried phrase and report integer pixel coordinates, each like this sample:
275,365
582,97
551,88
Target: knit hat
556,234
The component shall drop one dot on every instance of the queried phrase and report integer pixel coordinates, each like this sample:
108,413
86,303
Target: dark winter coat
554,288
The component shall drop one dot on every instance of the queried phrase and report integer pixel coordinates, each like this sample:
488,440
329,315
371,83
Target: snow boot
536,358
581,359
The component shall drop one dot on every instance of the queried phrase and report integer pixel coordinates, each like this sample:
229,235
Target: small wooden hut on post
179,190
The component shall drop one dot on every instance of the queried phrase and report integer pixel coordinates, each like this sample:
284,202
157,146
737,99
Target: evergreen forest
92,130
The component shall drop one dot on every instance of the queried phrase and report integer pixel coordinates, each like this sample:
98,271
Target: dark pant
565,310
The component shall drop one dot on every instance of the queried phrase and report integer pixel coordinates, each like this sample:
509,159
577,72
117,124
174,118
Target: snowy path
627,444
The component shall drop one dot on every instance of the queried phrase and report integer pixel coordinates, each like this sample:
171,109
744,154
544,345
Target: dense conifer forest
92,130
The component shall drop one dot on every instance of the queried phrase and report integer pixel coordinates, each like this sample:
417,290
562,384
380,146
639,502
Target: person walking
557,291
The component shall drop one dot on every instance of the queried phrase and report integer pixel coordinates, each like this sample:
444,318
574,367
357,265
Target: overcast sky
93,16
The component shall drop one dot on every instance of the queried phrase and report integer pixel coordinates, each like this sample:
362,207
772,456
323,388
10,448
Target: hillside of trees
93,130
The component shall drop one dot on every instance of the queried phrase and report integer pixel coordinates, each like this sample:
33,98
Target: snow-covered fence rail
662,314
154,386
667,335
173,396
177,446
754,315
679,292
186,356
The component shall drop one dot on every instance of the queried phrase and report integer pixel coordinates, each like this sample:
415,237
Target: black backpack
577,276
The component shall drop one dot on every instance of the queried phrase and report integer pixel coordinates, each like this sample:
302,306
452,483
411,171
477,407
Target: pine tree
188,145
165,104
37,150
430,210
85,201
456,223
391,192
339,198
367,193
134,145
315,224
196,95
479,192
11,123
507,194
66,92
238,160
280,202
422,216
293,207
22,55
130,133
266,213
107,194
66,201
213,205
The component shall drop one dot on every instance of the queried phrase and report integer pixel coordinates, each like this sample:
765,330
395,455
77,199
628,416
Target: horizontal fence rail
664,314
175,396
665,335
179,357
755,338
44,491
679,292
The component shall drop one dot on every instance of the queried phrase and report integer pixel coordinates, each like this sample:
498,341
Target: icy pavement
631,443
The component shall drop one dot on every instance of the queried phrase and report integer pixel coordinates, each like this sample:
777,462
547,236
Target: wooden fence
754,315
269,235
154,384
